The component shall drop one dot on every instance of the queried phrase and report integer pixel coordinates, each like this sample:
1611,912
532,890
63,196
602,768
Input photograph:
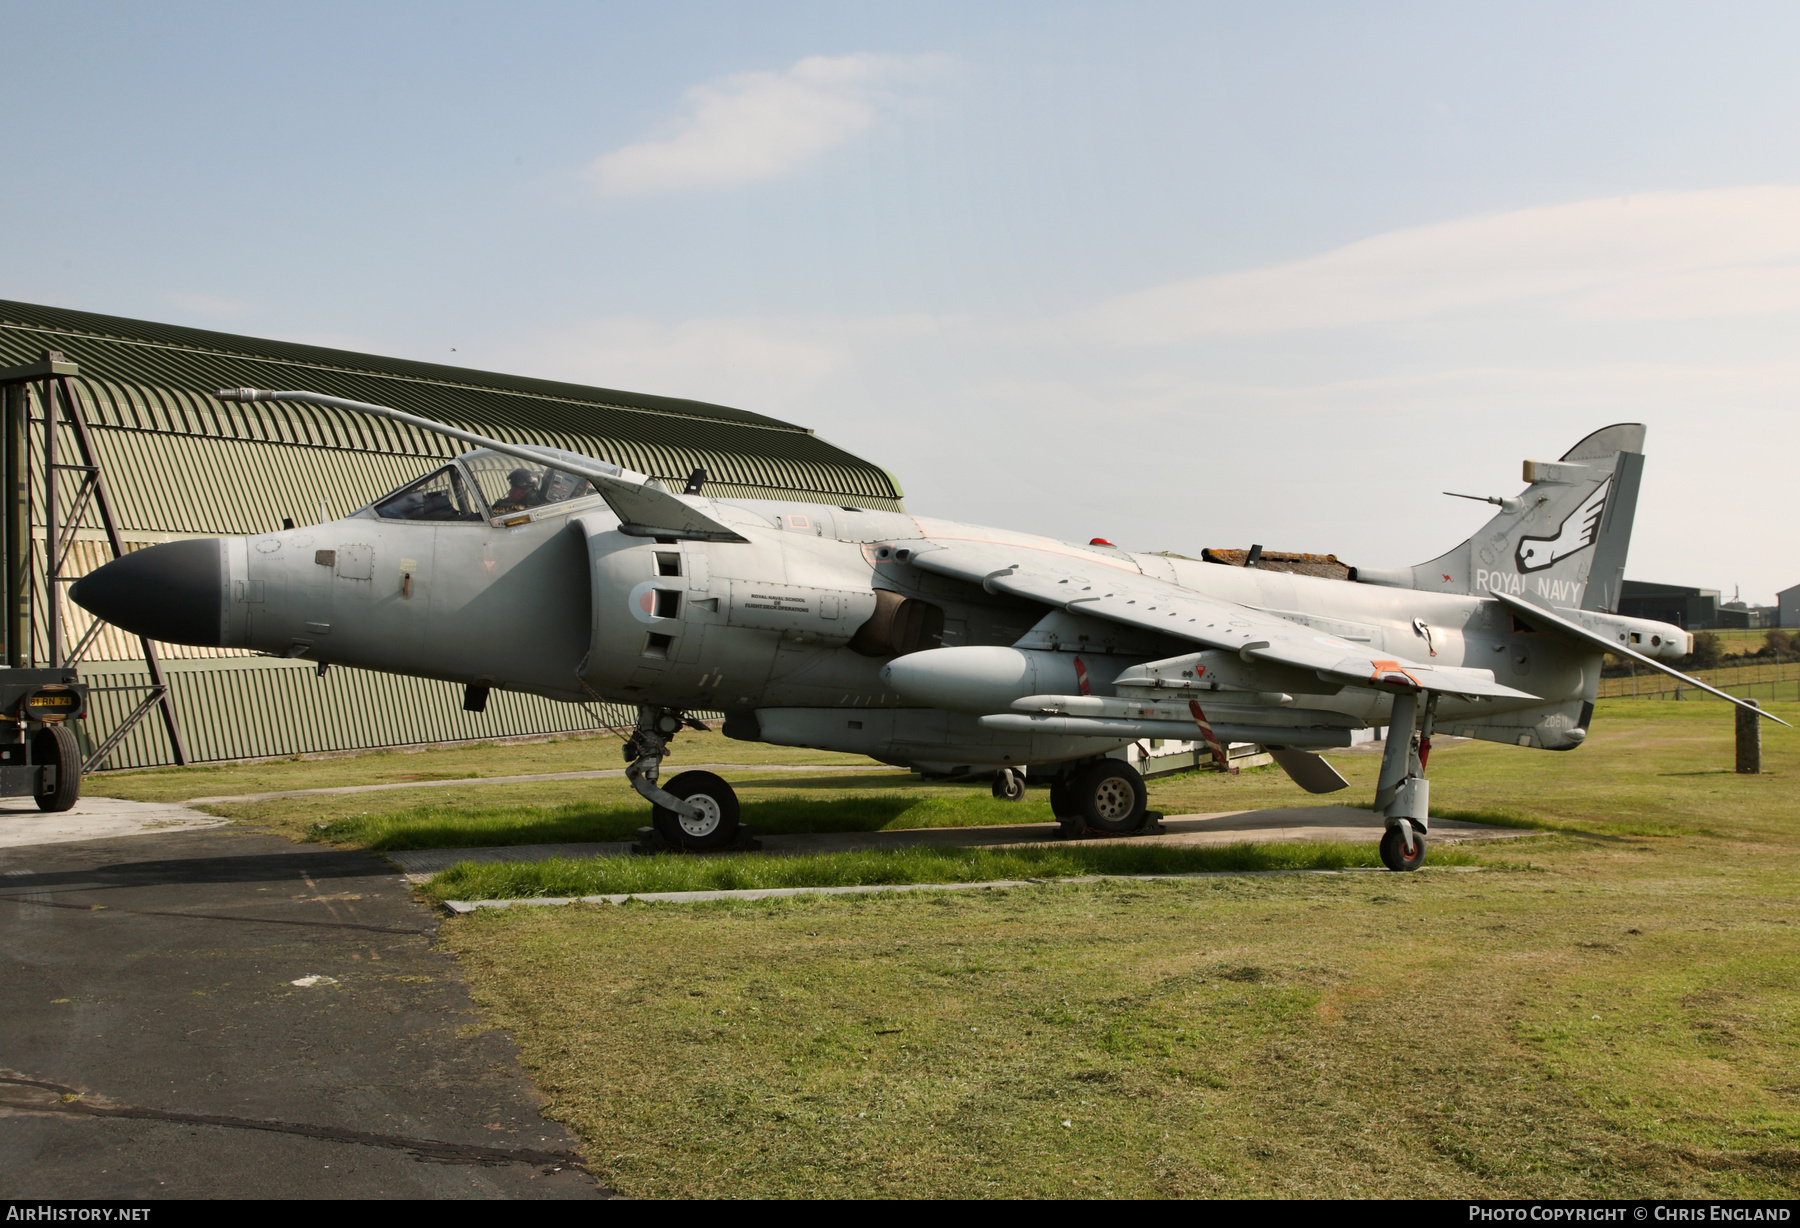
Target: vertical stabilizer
1563,541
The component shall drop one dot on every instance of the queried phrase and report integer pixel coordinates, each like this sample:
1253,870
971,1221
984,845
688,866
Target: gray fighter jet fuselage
943,647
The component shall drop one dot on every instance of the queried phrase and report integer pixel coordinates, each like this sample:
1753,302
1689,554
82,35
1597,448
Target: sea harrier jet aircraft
947,648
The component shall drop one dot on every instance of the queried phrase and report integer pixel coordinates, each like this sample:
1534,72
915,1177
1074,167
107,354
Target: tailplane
1561,542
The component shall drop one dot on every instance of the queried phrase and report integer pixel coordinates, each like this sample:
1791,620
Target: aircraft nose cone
174,592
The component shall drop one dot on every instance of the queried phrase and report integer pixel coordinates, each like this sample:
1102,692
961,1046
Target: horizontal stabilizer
643,507
1544,617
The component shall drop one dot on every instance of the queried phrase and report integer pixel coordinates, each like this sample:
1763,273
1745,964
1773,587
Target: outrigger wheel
56,746
1394,853
1109,796
1009,786
714,827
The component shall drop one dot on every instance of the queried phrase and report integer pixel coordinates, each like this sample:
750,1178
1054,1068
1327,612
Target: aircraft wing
1105,590
643,507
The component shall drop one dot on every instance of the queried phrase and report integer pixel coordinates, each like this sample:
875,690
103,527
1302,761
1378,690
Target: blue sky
1178,275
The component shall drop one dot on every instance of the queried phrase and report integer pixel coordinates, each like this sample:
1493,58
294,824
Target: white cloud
1661,256
774,365
754,126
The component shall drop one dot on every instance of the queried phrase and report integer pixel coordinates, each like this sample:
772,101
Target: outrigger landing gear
1009,784
698,810
1402,794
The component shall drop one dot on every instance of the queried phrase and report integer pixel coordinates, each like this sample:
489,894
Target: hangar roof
148,390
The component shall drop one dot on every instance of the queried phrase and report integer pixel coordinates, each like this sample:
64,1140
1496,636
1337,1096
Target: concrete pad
94,818
223,1014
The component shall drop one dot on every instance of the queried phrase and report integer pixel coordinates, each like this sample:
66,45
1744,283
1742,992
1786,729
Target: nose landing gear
714,823
698,810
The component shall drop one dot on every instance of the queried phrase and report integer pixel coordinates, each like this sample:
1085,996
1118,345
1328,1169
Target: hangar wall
178,463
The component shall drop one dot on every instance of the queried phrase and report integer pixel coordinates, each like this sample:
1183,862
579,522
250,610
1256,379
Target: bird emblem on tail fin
1579,530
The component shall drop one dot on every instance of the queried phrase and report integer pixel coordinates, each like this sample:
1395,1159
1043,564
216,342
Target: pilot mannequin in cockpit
523,492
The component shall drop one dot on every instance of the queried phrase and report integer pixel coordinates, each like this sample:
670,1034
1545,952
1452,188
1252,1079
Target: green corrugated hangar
177,462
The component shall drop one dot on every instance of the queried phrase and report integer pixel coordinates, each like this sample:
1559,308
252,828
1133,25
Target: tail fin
1563,541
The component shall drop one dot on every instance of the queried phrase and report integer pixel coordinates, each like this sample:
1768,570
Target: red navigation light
1100,541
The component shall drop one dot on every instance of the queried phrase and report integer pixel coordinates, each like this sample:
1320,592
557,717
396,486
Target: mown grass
1624,1021
562,876
432,827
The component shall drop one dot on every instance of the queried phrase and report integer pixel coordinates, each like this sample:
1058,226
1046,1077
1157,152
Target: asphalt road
153,1041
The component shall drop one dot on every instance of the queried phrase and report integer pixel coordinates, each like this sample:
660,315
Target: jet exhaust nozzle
174,592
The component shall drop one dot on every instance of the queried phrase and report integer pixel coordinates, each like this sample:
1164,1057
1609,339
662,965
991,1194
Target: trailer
39,752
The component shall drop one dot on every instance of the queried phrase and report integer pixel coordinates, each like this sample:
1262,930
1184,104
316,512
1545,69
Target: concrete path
604,774
223,1014
94,818
1343,823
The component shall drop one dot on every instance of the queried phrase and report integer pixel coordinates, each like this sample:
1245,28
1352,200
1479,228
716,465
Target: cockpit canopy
484,484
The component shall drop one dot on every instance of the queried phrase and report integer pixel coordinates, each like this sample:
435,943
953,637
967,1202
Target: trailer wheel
717,824
1110,797
56,747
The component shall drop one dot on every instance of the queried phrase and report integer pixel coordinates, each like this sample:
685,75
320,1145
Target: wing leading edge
1136,600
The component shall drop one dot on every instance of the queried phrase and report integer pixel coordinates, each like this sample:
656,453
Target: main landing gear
1402,794
1106,795
697,810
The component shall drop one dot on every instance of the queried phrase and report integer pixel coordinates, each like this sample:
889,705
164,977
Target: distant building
1693,609
1739,616
1789,609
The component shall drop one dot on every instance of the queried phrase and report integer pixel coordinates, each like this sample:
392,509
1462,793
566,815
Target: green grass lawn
1616,1013
563,876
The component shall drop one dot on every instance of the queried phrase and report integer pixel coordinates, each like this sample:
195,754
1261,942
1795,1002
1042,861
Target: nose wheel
714,823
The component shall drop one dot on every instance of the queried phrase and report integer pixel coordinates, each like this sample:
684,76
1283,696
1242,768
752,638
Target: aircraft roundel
642,603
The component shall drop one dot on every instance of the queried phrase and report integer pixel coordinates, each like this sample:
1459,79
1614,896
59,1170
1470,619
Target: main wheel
1009,786
1109,796
56,746
1062,802
717,823
1394,854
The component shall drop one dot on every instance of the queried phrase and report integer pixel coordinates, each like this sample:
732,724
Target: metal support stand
52,373
644,754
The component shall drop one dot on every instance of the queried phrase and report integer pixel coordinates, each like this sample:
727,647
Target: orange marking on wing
1391,667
